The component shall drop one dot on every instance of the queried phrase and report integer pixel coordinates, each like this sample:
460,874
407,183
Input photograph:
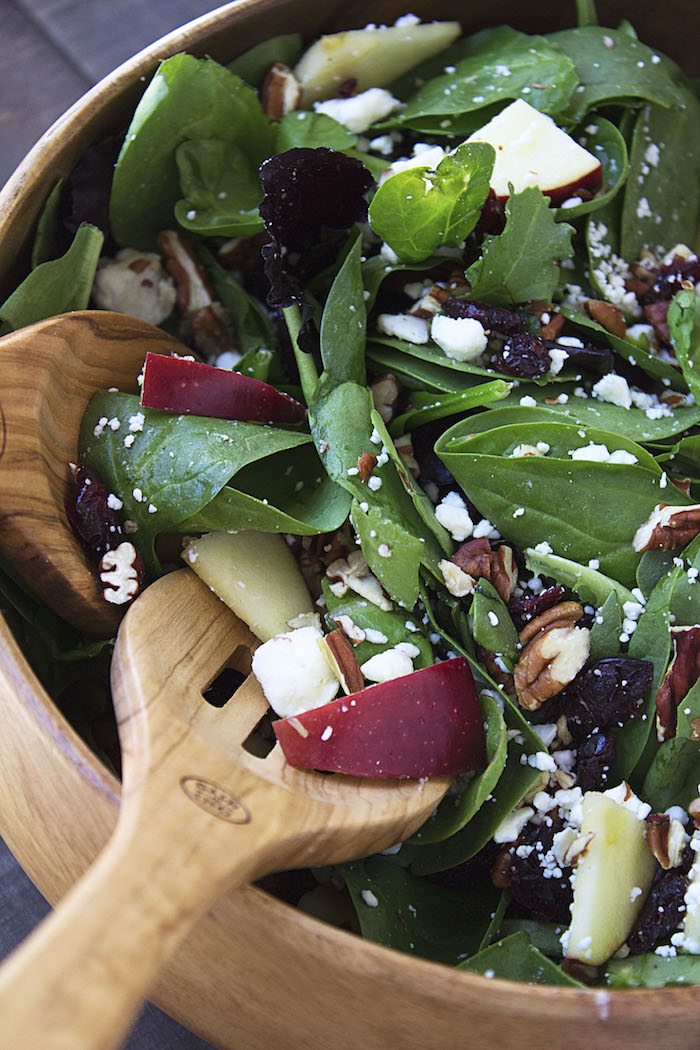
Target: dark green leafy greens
221,189
516,958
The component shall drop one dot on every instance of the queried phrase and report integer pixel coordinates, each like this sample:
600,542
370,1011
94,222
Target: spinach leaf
684,605
304,128
57,286
605,142
416,371
344,324
652,567
586,12
684,326
176,464
493,628
220,187
188,98
248,316
45,238
652,971
390,623
431,353
607,628
253,64
622,71
393,554
456,810
516,958
522,263
544,935
496,918
497,65
674,774
420,210
426,408
412,915
662,199
592,587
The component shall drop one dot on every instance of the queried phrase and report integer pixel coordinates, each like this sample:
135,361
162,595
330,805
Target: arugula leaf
652,971
605,142
44,246
344,324
305,128
221,189
426,408
420,210
622,73
493,627
188,98
592,587
390,623
415,916
607,628
516,958
57,286
684,326
253,64
662,199
177,464
497,65
522,263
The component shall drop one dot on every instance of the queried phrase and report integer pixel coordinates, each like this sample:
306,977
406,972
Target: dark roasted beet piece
311,197
662,913
545,897
528,606
94,523
609,692
595,758
669,278
495,318
524,356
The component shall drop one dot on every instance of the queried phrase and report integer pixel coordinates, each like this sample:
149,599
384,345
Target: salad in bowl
433,436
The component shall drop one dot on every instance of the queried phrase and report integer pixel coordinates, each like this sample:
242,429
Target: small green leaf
606,629
493,628
652,971
220,187
310,130
586,13
674,774
344,324
515,958
591,586
522,263
44,247
684,326
253,64
435,408
393,554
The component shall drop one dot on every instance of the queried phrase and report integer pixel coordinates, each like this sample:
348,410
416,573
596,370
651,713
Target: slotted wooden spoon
48,373
199,816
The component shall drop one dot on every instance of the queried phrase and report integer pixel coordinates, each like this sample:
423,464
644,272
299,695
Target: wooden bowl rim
523,999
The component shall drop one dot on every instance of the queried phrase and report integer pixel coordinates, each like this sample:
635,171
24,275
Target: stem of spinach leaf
307,369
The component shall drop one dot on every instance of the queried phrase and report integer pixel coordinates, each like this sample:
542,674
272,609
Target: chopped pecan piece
667,528
610,317
562,615
500,677
429,304
121,571
682,674
385,394
343,662
555,651
458,582
666,839
281,91
657,316
366,464
476,558
551,322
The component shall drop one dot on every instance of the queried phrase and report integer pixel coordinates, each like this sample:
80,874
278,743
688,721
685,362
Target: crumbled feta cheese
375,637
484,528
626,797
392,663
527,402
557,356
601,454
453,515
404,326
509,829
374,483
544,548
614,390
134,283
427,157
383,144
359,112
293,672
460,338
369,898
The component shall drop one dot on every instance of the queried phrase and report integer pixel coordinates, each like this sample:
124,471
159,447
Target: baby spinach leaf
591,586
304,128
684,326
496,918
188,98
426,408
369,617
344,324
607,628
544,935
221,189
420,210
674,774
498,65
622,72
493,627
662,199
457,809
415,916
561,498
248,316
45,238
586,13
652,567
684,605
432,353
652,971
515,958
176,464
253,64
605,142
57,286
417,372
522,263
393,554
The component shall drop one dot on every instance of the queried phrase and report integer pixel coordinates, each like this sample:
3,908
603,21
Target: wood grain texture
50,371
199,815
254,973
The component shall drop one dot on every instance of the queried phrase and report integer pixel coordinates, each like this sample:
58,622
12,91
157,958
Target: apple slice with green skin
174,384
255,574
531,150
613,876
425,724
372,57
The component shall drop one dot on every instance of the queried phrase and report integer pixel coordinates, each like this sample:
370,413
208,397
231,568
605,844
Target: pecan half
666,839
610,317
281,91
430,303
667,528
682,674
551,322
385,393
555,651
121,571
562,615
203,317
342,660
477,560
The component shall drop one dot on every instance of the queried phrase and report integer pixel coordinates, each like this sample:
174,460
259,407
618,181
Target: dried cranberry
492,219
657,316
527,607
472,874
524,356
669,278
537,882
609,692
495,318
595,759
661,914
93,521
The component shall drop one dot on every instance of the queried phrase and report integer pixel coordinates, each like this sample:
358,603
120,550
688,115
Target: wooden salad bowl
256,973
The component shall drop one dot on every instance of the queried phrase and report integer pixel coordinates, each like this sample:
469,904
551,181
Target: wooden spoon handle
79,979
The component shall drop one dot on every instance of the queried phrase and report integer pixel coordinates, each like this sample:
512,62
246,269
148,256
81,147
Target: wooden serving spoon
199,816
49,371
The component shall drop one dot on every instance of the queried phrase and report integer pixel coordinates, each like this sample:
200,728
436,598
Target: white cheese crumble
359,112
509,829
134,283
392,663
601,454
614,390
460,338
453,515
369,898
404,326
625,796
293,672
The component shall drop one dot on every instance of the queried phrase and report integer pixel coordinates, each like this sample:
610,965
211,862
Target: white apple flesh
372,57
531,150
613,877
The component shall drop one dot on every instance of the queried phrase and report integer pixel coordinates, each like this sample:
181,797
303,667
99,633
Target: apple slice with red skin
425,724
174,384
